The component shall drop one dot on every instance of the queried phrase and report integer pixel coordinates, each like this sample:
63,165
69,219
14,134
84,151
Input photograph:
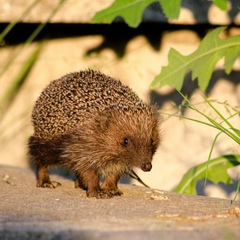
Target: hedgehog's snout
146,167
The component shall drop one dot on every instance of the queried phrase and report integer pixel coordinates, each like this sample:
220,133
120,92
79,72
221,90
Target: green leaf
132,10
201,62
222,4
230,57
171,8
217,172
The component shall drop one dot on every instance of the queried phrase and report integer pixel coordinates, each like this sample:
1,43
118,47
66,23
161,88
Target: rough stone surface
27,212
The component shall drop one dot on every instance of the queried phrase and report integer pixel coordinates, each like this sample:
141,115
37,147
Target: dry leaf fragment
234,211
6,178
155,197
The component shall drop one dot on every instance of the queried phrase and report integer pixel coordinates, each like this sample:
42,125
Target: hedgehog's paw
100,194
113,192
50,184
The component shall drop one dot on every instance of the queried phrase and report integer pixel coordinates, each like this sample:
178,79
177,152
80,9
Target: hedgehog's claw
99,194
113,192
52,184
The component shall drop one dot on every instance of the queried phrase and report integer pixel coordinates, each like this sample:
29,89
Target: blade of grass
32,37
216,111
187,118
13,23
223,129
237,192
209,157
224,120
237,131
196,120
233,115
19,80
217,125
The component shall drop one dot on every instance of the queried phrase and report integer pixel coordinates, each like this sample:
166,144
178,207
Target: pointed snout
146,167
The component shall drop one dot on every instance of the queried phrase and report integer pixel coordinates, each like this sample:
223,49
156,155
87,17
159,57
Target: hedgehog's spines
68,101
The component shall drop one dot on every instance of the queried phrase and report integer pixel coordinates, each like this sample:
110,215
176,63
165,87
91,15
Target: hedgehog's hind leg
43,179
43,154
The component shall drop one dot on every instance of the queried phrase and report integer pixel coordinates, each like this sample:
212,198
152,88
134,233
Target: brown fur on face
104,139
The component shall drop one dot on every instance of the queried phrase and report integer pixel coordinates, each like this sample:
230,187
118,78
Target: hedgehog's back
68,101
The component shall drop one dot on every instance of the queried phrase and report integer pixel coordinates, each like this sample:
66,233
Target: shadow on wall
116,36
190,86
229,189
198,8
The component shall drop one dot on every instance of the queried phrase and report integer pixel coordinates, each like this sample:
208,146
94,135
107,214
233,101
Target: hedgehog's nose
146,167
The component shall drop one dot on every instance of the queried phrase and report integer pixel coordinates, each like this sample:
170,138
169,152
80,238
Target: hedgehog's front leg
43,179
110,184
89,181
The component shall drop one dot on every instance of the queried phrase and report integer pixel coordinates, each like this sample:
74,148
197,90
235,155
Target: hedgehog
95,127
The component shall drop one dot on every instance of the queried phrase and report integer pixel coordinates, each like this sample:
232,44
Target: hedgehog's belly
113,168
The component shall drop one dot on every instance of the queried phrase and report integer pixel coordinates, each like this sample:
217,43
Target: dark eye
125,142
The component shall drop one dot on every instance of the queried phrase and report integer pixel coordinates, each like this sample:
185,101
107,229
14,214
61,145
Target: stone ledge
28,212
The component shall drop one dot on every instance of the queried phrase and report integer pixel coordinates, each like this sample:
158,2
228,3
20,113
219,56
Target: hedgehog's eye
125,142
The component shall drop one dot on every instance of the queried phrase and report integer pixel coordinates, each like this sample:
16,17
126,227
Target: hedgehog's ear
105,120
